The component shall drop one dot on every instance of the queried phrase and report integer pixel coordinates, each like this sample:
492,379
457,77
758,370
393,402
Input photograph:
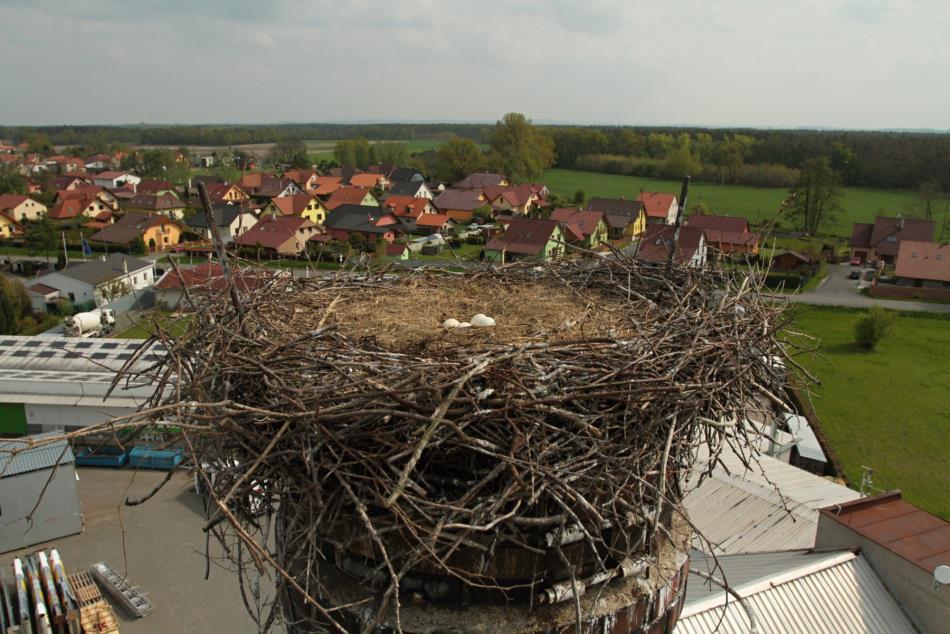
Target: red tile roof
526,236
907,531
656,204
326,185
292,205
584,220
923,261
657,242
210,275
886,234
432,220
9,201
406,206
153,186
42,289
365,180
731,224
347,196
272,233
459,200
480,180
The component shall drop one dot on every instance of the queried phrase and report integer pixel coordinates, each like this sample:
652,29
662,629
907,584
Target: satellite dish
941,576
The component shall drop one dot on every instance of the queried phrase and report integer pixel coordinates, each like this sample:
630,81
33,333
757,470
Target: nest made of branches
339,413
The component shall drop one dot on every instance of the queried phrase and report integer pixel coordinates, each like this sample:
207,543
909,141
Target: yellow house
21,208
9,227
304,205
158,232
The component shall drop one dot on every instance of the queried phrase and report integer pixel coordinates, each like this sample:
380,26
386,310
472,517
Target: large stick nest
340,408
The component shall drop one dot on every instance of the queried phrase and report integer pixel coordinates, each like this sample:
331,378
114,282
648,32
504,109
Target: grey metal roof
26,460
70,354
838,593
96,272
773,506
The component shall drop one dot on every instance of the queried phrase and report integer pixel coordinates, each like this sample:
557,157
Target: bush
873,327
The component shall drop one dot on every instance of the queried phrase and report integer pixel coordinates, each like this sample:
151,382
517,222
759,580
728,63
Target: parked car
855,275
855,261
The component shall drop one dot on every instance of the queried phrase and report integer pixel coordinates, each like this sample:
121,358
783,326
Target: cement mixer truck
95,323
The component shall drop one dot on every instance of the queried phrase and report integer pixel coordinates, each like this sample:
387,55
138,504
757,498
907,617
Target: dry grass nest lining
403,313
342,402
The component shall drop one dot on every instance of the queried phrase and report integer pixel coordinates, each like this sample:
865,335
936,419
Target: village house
83,201
231,221
371,181
408,207
727,234
787,261
481,180
518,199
21,208
306,179
158,232
434,223
413,189
65,183
405,175
305,205
923,264
225,193
9,228
155,186
660,208
527,238
276,188
65,164
165,204
397,251
369,222
112,179
325,185
583,228
460,204
625,219
882,240
656,245
279,236
101,281
351,196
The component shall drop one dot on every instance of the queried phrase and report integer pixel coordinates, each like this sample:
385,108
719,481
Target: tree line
757,157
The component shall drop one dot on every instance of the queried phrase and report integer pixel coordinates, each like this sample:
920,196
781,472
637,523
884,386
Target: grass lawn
888,409
145,327
755,203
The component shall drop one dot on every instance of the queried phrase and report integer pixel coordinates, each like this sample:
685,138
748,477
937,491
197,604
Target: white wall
71,416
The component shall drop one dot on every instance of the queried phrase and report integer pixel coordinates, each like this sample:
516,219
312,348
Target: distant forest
863,158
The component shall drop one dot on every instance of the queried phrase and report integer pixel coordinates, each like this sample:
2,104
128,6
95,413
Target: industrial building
43,477
57,383
100,281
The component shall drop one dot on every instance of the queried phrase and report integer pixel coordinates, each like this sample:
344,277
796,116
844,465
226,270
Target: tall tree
292,152
41,236
392,153
817,197
456,159
520,150
929,196
12,183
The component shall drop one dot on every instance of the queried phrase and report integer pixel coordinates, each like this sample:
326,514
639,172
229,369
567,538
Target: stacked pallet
96,615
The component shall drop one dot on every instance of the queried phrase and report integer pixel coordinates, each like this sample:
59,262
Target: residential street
838,290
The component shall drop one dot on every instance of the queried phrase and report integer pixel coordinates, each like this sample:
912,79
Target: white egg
482,321
449,324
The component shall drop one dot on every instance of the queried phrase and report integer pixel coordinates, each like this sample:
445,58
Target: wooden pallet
95,615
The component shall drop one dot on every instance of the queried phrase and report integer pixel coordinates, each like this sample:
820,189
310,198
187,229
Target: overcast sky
776,63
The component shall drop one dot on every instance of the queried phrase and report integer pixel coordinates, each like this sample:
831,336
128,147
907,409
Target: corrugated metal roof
741,570
774,507
26,460
841,595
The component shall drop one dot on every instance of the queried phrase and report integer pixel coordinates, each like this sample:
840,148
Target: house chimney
125,266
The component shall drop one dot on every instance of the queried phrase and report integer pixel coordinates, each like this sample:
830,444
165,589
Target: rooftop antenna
941,576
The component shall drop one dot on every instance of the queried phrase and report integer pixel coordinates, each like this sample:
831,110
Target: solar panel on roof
124,355
83,344
46,354
100,355
8,342
109,346
21,353
33,343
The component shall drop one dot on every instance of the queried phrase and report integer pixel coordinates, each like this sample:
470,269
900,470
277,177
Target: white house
21,208
113,179
232,221
413,189
103,280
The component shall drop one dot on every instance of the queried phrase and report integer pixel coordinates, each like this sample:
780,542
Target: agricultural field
755,203
147,325
886,409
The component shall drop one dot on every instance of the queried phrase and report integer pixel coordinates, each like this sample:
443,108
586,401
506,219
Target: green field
146,326
755,203
888,409
323,150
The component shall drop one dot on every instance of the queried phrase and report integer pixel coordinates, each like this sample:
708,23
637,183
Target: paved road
839,290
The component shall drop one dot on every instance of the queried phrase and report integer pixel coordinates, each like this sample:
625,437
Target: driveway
838,290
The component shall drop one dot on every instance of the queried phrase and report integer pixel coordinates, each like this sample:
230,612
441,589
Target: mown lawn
888,409
146,326
756,204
